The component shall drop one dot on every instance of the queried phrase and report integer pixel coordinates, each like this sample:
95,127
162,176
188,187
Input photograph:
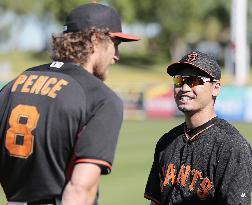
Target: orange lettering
39,84
196,174
20,129
183,174
170,175
205,187
161,178
46,89
20,80
28,82
57,87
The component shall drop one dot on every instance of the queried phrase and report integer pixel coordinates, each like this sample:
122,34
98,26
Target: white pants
21,203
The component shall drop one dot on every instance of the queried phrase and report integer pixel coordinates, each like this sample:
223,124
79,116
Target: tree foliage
186,20
59,8
18,6
178,19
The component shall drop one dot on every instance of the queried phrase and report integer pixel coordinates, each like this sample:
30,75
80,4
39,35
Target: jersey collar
193,134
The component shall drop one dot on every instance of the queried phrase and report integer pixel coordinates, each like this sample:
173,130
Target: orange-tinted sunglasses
191,81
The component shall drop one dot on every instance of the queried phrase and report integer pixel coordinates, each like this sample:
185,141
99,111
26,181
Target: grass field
136,69
125,185
134,157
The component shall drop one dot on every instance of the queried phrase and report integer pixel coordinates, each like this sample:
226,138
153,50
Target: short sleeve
152,189
97,141
4,92
234,171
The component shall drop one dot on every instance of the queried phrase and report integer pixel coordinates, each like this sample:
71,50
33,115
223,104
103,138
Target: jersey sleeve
97,141
152,189
234,171
4,92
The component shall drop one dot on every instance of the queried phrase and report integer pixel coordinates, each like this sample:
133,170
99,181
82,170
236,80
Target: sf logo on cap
191,57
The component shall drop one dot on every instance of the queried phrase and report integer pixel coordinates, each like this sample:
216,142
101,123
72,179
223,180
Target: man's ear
216,88
95,39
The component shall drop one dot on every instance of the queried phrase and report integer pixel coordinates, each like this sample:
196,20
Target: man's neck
89,67
197,119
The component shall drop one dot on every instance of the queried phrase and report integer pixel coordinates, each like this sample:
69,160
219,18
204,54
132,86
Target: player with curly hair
59,121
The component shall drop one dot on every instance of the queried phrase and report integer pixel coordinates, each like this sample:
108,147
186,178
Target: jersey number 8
19,139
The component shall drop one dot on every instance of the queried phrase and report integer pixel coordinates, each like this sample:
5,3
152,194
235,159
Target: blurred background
169,29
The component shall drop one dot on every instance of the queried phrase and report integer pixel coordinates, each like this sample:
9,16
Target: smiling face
191,99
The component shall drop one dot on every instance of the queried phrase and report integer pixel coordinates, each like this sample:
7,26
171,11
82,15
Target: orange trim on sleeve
94,161
152,199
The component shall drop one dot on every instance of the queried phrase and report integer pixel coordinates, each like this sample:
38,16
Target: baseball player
204,160
59,121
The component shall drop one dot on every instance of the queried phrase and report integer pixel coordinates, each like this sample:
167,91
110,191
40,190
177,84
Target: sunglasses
191,81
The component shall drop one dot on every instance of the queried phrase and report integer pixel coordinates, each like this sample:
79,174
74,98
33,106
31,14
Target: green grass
134,157
126,183
132,163
136,69
137,140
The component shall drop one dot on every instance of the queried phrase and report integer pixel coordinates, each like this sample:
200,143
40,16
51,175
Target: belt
43,201
38,202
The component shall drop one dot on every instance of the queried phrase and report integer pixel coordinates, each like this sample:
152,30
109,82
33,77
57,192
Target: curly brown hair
76,46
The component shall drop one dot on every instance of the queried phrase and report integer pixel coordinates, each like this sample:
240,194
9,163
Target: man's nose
185,87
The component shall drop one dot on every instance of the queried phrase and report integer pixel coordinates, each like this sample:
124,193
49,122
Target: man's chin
99,74
184,109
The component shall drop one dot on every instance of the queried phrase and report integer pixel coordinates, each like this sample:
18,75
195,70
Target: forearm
75,194
83,185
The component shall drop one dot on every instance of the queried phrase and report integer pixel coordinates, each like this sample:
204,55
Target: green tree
180,20
45,10
18,6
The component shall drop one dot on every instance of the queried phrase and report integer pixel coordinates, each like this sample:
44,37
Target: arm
82,187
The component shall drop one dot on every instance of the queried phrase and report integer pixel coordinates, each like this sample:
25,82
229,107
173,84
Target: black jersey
52,117
211,164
